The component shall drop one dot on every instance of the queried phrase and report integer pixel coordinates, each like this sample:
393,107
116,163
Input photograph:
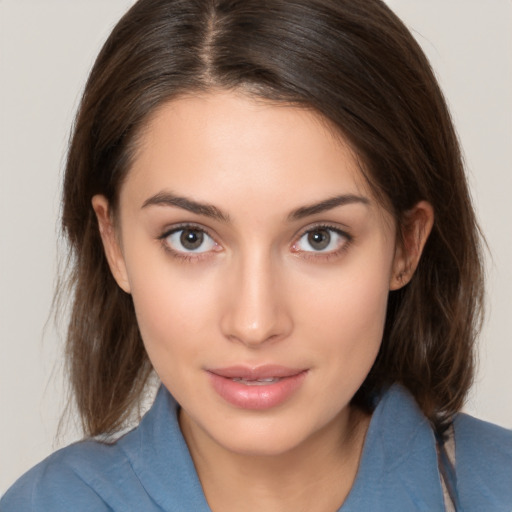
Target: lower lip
256,397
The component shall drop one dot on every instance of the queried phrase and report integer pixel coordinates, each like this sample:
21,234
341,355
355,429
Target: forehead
222,144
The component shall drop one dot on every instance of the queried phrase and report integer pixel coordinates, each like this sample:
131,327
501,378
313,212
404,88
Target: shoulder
477,434
483,464
85,476
59,482
148,469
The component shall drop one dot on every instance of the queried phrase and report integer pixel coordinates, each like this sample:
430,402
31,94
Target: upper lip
266,371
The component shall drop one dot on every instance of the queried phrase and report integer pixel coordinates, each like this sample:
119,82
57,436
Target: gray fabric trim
449,450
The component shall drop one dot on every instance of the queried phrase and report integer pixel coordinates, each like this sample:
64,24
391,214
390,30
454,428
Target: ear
416,229
110,239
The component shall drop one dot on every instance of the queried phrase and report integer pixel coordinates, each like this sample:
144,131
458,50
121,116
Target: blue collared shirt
150,468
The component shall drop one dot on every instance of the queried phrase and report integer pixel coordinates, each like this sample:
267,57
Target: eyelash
326,256
193,257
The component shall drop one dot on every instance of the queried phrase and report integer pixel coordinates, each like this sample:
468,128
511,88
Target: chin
262,443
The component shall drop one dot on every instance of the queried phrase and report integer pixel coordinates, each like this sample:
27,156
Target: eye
321,239
190,240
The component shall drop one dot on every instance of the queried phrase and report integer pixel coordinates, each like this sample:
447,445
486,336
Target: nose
256,311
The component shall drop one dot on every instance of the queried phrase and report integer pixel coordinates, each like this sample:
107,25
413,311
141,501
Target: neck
316,475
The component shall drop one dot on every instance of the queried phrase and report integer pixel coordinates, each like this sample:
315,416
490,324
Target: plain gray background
46,50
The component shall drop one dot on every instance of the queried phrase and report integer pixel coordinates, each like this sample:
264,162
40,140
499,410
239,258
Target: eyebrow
209,210
169,199
328,204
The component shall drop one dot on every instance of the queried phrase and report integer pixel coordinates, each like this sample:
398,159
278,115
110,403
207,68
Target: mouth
256,388
257,373
257,382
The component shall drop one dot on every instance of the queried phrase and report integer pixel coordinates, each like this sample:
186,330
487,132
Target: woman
266,204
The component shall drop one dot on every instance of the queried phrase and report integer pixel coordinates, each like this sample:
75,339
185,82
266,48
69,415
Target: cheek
173,305
172,330
170,308
346,313
348,332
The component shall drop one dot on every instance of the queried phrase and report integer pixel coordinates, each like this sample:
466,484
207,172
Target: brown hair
356,64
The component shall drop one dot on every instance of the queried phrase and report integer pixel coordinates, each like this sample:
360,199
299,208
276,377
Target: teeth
258,382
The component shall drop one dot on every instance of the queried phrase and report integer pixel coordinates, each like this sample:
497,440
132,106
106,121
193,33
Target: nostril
271,326
253,339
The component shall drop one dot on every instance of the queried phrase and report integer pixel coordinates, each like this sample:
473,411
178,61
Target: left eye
190,240
320,240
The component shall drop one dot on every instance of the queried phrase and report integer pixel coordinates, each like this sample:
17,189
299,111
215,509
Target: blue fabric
484,461
150,468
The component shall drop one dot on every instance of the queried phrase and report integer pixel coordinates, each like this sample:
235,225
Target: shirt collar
162,461
398,468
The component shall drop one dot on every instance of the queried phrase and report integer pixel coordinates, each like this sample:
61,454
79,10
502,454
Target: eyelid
187,255
181,226
321,254
192,256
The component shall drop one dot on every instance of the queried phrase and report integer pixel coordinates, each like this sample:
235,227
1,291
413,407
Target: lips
260,372
257,382
258,388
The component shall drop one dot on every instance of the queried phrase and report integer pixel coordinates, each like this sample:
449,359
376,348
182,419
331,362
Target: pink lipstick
258,388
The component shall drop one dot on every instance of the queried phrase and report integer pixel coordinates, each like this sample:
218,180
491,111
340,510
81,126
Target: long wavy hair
356,64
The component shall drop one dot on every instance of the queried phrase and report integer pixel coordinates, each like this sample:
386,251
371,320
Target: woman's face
259,265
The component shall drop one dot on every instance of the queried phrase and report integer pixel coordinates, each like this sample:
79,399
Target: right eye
189,240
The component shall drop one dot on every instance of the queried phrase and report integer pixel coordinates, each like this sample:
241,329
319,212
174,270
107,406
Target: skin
258,291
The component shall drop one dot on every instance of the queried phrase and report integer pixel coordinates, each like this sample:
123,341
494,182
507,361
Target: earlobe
416,229
111,245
